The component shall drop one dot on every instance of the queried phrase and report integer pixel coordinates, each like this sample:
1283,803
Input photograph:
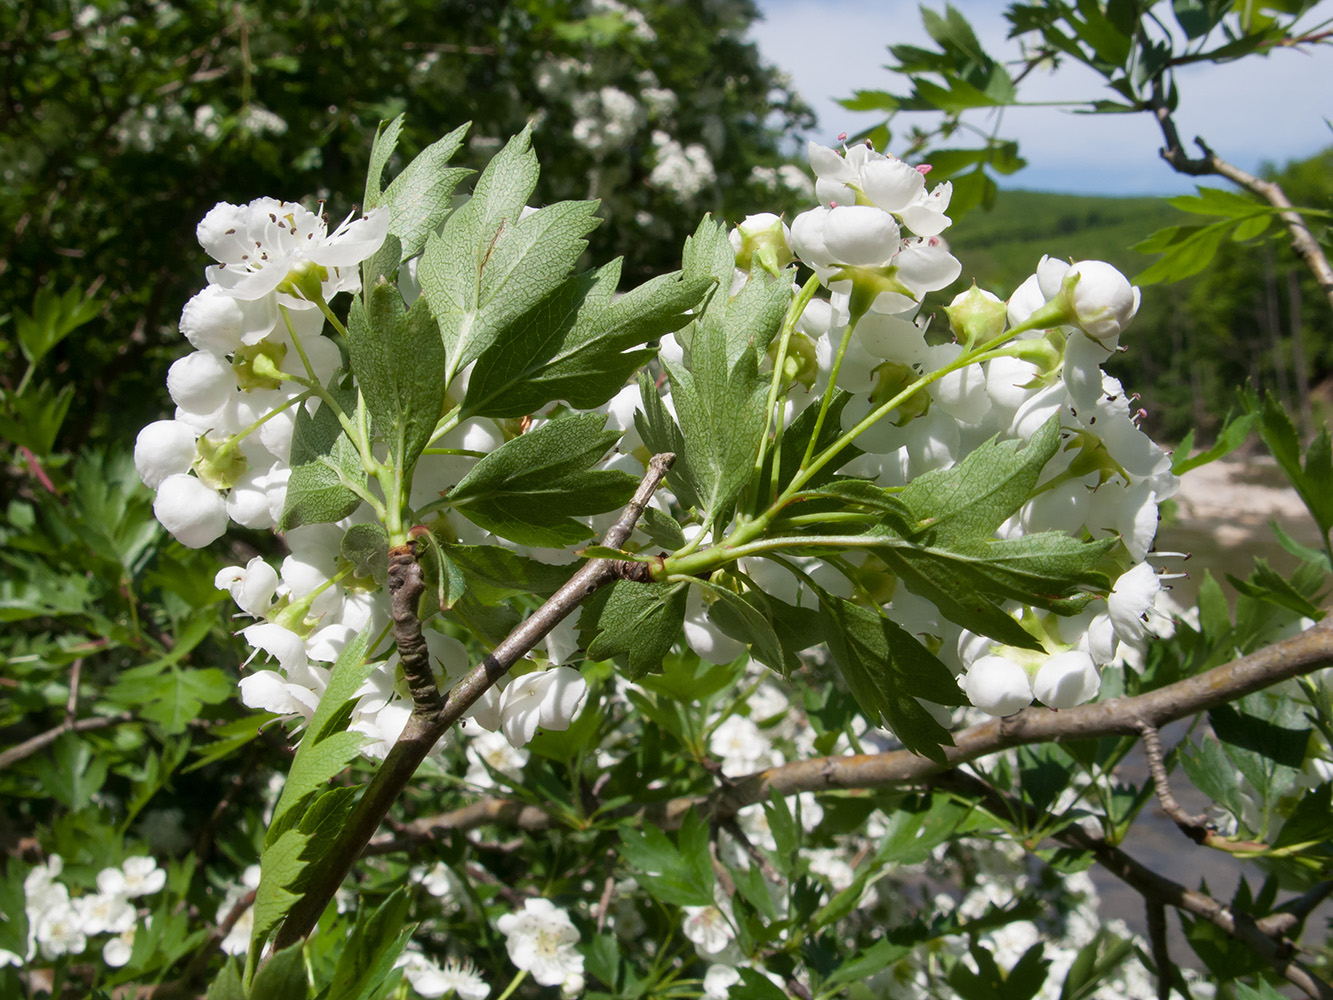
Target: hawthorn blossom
541,940
265,249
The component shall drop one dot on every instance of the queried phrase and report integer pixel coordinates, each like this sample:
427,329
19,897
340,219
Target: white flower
741,746
441,882
194,514
549,699
495,750
540,940
252,587
258,247
59,931
105,912
708,927
997,685
163,448
117,951
1066,679
718,980
456,978
140,876
1133,605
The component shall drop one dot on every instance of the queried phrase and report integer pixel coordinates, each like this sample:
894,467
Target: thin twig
72,703
1240,926
1291,914
765,866
29,747
1196,827
1161,954
424,728
1209,163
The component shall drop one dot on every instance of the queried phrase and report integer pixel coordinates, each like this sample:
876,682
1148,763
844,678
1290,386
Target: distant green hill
1001,247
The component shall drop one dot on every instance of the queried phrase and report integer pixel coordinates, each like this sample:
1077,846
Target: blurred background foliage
124,122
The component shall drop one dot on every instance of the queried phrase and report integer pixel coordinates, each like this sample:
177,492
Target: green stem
829,390
509,991
794,312
963,360
336,323
300,350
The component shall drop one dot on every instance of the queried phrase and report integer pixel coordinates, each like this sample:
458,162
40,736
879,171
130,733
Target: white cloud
1251,111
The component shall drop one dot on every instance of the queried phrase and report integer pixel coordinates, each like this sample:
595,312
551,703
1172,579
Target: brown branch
1161,954
1281,661
406,584
29,747
1292,913
423,729
1209,163
1240,926
1196,827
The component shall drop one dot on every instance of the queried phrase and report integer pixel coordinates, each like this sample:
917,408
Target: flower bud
163,448
188,509
200,382
1067,679
1104,300
998,686
976,316
762,239
212,321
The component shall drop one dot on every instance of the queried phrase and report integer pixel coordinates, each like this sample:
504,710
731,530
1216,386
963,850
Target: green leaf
54,317
227,984
422,195
972,499
386,141
684,875
325,464
399,365
746,618
662,529
367,959
1234,433
493,574
887,670
577,344
1314,481
70,773
637,620
328,747
661,433
721,423
282,977
366,547
487,268
530,488
36,417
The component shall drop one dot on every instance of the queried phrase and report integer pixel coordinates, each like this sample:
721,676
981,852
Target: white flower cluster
682,170
1106,480
59,924
226,456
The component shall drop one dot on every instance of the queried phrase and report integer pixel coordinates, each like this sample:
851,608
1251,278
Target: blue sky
1252,111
